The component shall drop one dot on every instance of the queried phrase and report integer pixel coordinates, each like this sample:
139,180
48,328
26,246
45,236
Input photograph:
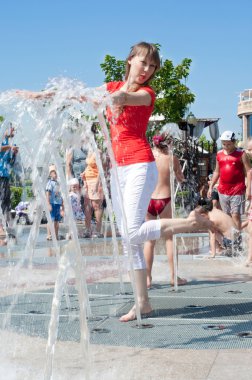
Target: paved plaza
203,331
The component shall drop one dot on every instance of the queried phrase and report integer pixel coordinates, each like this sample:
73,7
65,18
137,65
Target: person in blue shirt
8,154
55,201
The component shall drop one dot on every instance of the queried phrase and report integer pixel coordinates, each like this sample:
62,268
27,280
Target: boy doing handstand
226,233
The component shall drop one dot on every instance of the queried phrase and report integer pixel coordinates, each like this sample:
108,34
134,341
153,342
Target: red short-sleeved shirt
128,130
232,177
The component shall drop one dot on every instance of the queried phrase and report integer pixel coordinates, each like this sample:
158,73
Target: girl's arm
177,170
69,157
48,200
215,178
139,98
246,163
212,243
248,188
35,95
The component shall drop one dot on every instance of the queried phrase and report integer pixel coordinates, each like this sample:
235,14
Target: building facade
245,113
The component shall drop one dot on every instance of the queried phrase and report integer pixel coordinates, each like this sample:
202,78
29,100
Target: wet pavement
202,331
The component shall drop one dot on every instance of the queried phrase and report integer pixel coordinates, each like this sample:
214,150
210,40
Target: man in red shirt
232,166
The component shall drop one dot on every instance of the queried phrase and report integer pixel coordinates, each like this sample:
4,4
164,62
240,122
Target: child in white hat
75,200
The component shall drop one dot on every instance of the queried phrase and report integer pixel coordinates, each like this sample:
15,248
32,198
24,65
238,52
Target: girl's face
75,188
228,146
141,69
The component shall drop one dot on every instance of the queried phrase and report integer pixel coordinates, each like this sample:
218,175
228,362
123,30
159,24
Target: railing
246,96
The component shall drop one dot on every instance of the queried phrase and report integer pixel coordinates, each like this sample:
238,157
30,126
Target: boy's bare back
222,222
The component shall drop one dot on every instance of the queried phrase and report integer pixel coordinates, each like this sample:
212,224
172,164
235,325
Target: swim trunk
232,204
5,194
156,206
236,243
55,213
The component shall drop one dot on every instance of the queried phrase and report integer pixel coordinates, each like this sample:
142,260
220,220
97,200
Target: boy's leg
169,252
237,220
56,229
98,211
88,216
49,236
237,209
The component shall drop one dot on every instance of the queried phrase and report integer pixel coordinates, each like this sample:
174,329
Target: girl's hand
209,193
35,95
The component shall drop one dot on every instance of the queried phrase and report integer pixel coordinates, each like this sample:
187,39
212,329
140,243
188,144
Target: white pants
137,183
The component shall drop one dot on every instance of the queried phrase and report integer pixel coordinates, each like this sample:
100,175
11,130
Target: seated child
75,200
225,233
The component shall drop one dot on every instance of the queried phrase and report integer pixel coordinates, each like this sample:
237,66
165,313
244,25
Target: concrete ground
201,332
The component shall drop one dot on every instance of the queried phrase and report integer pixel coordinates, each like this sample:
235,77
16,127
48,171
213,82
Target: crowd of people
143,174
86,194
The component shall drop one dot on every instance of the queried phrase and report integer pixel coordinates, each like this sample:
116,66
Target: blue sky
44,39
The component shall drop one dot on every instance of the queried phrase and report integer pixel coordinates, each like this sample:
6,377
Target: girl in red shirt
132,105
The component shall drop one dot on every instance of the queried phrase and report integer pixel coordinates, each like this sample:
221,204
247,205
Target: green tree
16,195
1,119
113,68
173,96
207,145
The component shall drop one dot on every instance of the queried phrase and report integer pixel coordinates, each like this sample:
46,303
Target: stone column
245,128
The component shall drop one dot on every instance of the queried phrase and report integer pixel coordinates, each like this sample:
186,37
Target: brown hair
150,51
206,204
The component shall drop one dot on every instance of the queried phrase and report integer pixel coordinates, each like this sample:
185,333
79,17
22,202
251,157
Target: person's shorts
5,194
215,195
235,243
232,204
55,213
92,190
227,243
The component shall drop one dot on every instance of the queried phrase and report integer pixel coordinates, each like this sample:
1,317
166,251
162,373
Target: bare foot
131,315
212,255
248,263
149,279
181,282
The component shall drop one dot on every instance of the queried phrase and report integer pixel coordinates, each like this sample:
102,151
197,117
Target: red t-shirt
232,177
128,130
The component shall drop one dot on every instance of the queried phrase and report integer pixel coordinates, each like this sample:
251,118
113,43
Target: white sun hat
73,181
228,136
52,168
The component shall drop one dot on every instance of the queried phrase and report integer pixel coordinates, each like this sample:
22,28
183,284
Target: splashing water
45,128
